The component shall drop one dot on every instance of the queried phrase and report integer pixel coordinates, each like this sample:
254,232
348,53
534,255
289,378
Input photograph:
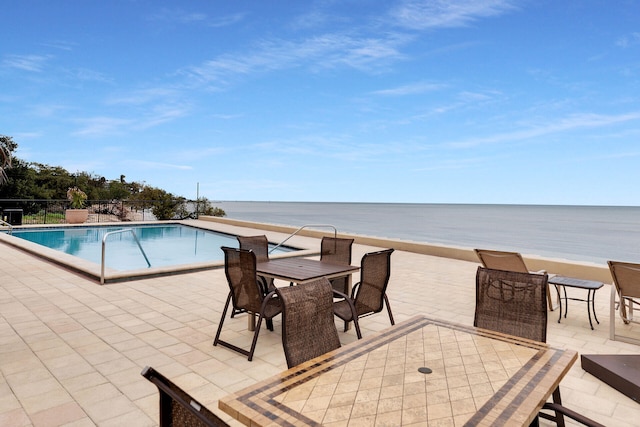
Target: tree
7,147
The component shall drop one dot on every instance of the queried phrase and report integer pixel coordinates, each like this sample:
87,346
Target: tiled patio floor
72,350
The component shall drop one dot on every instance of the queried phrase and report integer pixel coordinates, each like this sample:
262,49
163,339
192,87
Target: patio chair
308,324
625,289
515,303
260,246
177,407
370,294
510,261
245,293
337,251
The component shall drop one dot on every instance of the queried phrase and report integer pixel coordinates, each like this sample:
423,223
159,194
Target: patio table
301,271
420,371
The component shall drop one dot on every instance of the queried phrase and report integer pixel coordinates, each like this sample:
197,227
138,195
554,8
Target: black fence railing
28,211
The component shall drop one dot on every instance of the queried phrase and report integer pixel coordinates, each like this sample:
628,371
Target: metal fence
29,211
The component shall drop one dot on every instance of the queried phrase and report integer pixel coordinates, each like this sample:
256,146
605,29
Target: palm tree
5,163
7,145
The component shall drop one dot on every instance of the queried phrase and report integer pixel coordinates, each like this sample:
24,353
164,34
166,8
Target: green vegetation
37,181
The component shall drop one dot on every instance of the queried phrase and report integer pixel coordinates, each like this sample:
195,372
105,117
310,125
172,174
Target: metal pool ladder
5,223
104,241
335,233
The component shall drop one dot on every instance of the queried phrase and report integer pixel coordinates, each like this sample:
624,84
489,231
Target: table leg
251,322
550,301
559,302
592,296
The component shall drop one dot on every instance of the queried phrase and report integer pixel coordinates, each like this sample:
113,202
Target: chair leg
255,338
224,313
386,302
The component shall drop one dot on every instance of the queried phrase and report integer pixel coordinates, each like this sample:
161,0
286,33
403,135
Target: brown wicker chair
515,303
245,294
370,294
308,324
337,251
177,407
509,261
626,289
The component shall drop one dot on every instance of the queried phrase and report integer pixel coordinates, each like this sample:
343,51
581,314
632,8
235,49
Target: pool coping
93,271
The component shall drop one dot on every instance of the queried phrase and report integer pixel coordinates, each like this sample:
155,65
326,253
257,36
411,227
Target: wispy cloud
160,115
60,45
34,63
86,74
159,165
412,89
220,116
107,126
101,126
178,16
323,51
632,39
143,96
426,14
573,122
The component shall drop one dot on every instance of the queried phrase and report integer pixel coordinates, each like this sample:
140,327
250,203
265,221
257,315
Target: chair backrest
240,269
336,250
308,326
512,303
177,407
375,270
258,244
501,260
626,278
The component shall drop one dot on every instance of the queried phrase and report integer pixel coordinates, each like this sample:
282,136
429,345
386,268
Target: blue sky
427,101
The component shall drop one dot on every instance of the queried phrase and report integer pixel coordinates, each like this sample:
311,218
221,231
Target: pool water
164,245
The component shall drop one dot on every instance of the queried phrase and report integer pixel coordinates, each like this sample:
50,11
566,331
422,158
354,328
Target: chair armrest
353,290
354,313
571,414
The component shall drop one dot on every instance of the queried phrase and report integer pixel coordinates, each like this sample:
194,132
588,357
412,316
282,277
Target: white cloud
576,121
323,51
101,126
34,63
425,14
412,89
632,39
178,16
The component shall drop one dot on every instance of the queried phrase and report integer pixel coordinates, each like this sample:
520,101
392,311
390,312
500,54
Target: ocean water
578,233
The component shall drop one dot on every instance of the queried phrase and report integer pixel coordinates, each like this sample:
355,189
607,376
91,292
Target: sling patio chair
177,407
510,261
245,295
626,290
260,246
369,295
308,324
338,251
515,303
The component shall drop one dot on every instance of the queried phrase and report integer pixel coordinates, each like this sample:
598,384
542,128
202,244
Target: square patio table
420,371
589,285
303,270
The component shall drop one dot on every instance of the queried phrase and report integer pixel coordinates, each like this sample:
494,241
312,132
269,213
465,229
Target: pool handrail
104,241
335,233
3,222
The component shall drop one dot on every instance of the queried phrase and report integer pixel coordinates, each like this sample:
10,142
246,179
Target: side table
571,282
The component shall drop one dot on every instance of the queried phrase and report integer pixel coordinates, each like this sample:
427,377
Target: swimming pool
171,248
